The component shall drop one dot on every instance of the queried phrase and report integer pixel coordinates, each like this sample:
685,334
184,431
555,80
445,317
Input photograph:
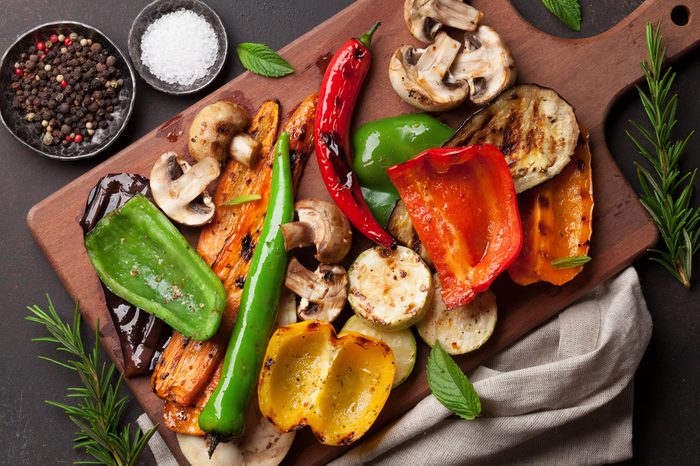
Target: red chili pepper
336,100
463,205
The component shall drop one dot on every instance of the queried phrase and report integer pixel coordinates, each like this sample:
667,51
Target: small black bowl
28,133
159,8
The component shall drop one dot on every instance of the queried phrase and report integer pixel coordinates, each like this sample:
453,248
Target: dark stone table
666,405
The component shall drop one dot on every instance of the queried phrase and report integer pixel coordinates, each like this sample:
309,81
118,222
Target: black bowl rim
161,85
116,135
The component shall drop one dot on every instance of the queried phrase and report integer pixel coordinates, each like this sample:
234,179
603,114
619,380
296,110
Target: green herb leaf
450,386
570,262
98,407
242,199
666,191
568,12
262,60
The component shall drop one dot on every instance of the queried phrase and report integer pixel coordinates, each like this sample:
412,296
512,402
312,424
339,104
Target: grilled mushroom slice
422,77
424,18
181,191
321,224
485,64
323,292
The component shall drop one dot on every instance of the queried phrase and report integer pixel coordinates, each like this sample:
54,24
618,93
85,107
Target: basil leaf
262,60
570,262
568,12
242,199
450,386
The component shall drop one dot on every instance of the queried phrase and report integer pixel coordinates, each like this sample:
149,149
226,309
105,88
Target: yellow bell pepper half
335,385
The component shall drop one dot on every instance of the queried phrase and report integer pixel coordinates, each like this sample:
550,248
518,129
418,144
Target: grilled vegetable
463,205
425,18
401,342
340,87
382,143
213,129
233,259
141,256
142,335
459,330
443,75
180,190
335,385
188,367
401,228
389,289
323,225
557,219
534,128
322,292
233,183
224,413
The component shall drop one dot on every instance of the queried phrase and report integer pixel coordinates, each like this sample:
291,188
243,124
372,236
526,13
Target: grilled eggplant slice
188,369
533,126
401,228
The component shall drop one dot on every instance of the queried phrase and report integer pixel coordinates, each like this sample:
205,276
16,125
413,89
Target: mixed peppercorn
69,86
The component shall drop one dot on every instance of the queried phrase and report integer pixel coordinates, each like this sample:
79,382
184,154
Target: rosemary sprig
99,408
666,192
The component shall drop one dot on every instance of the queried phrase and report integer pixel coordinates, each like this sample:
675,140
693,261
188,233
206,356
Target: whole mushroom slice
485,64
424,18
321,224
213,128
181,191
323,292
422,77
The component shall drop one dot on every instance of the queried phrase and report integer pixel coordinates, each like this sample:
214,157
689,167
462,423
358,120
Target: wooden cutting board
590,73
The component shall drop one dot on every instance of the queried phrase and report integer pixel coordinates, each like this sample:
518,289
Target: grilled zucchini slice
533,126
460,330
401,342
389,289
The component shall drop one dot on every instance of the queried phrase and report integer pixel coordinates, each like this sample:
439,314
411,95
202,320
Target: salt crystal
179,47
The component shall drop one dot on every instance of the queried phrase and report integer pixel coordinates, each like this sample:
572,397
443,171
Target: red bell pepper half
463,205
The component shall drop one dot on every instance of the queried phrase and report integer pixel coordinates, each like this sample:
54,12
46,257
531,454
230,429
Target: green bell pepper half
140,256
224,413
381,144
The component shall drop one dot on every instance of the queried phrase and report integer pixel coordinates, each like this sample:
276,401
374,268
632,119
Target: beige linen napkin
560,395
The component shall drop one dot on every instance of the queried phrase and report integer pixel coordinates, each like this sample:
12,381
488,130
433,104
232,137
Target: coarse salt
179,47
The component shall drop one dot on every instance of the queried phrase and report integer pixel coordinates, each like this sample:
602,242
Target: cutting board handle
616,54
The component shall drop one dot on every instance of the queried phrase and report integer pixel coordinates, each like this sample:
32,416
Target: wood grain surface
590,73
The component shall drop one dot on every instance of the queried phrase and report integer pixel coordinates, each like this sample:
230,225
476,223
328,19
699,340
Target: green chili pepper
144,259
225,411
381,144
